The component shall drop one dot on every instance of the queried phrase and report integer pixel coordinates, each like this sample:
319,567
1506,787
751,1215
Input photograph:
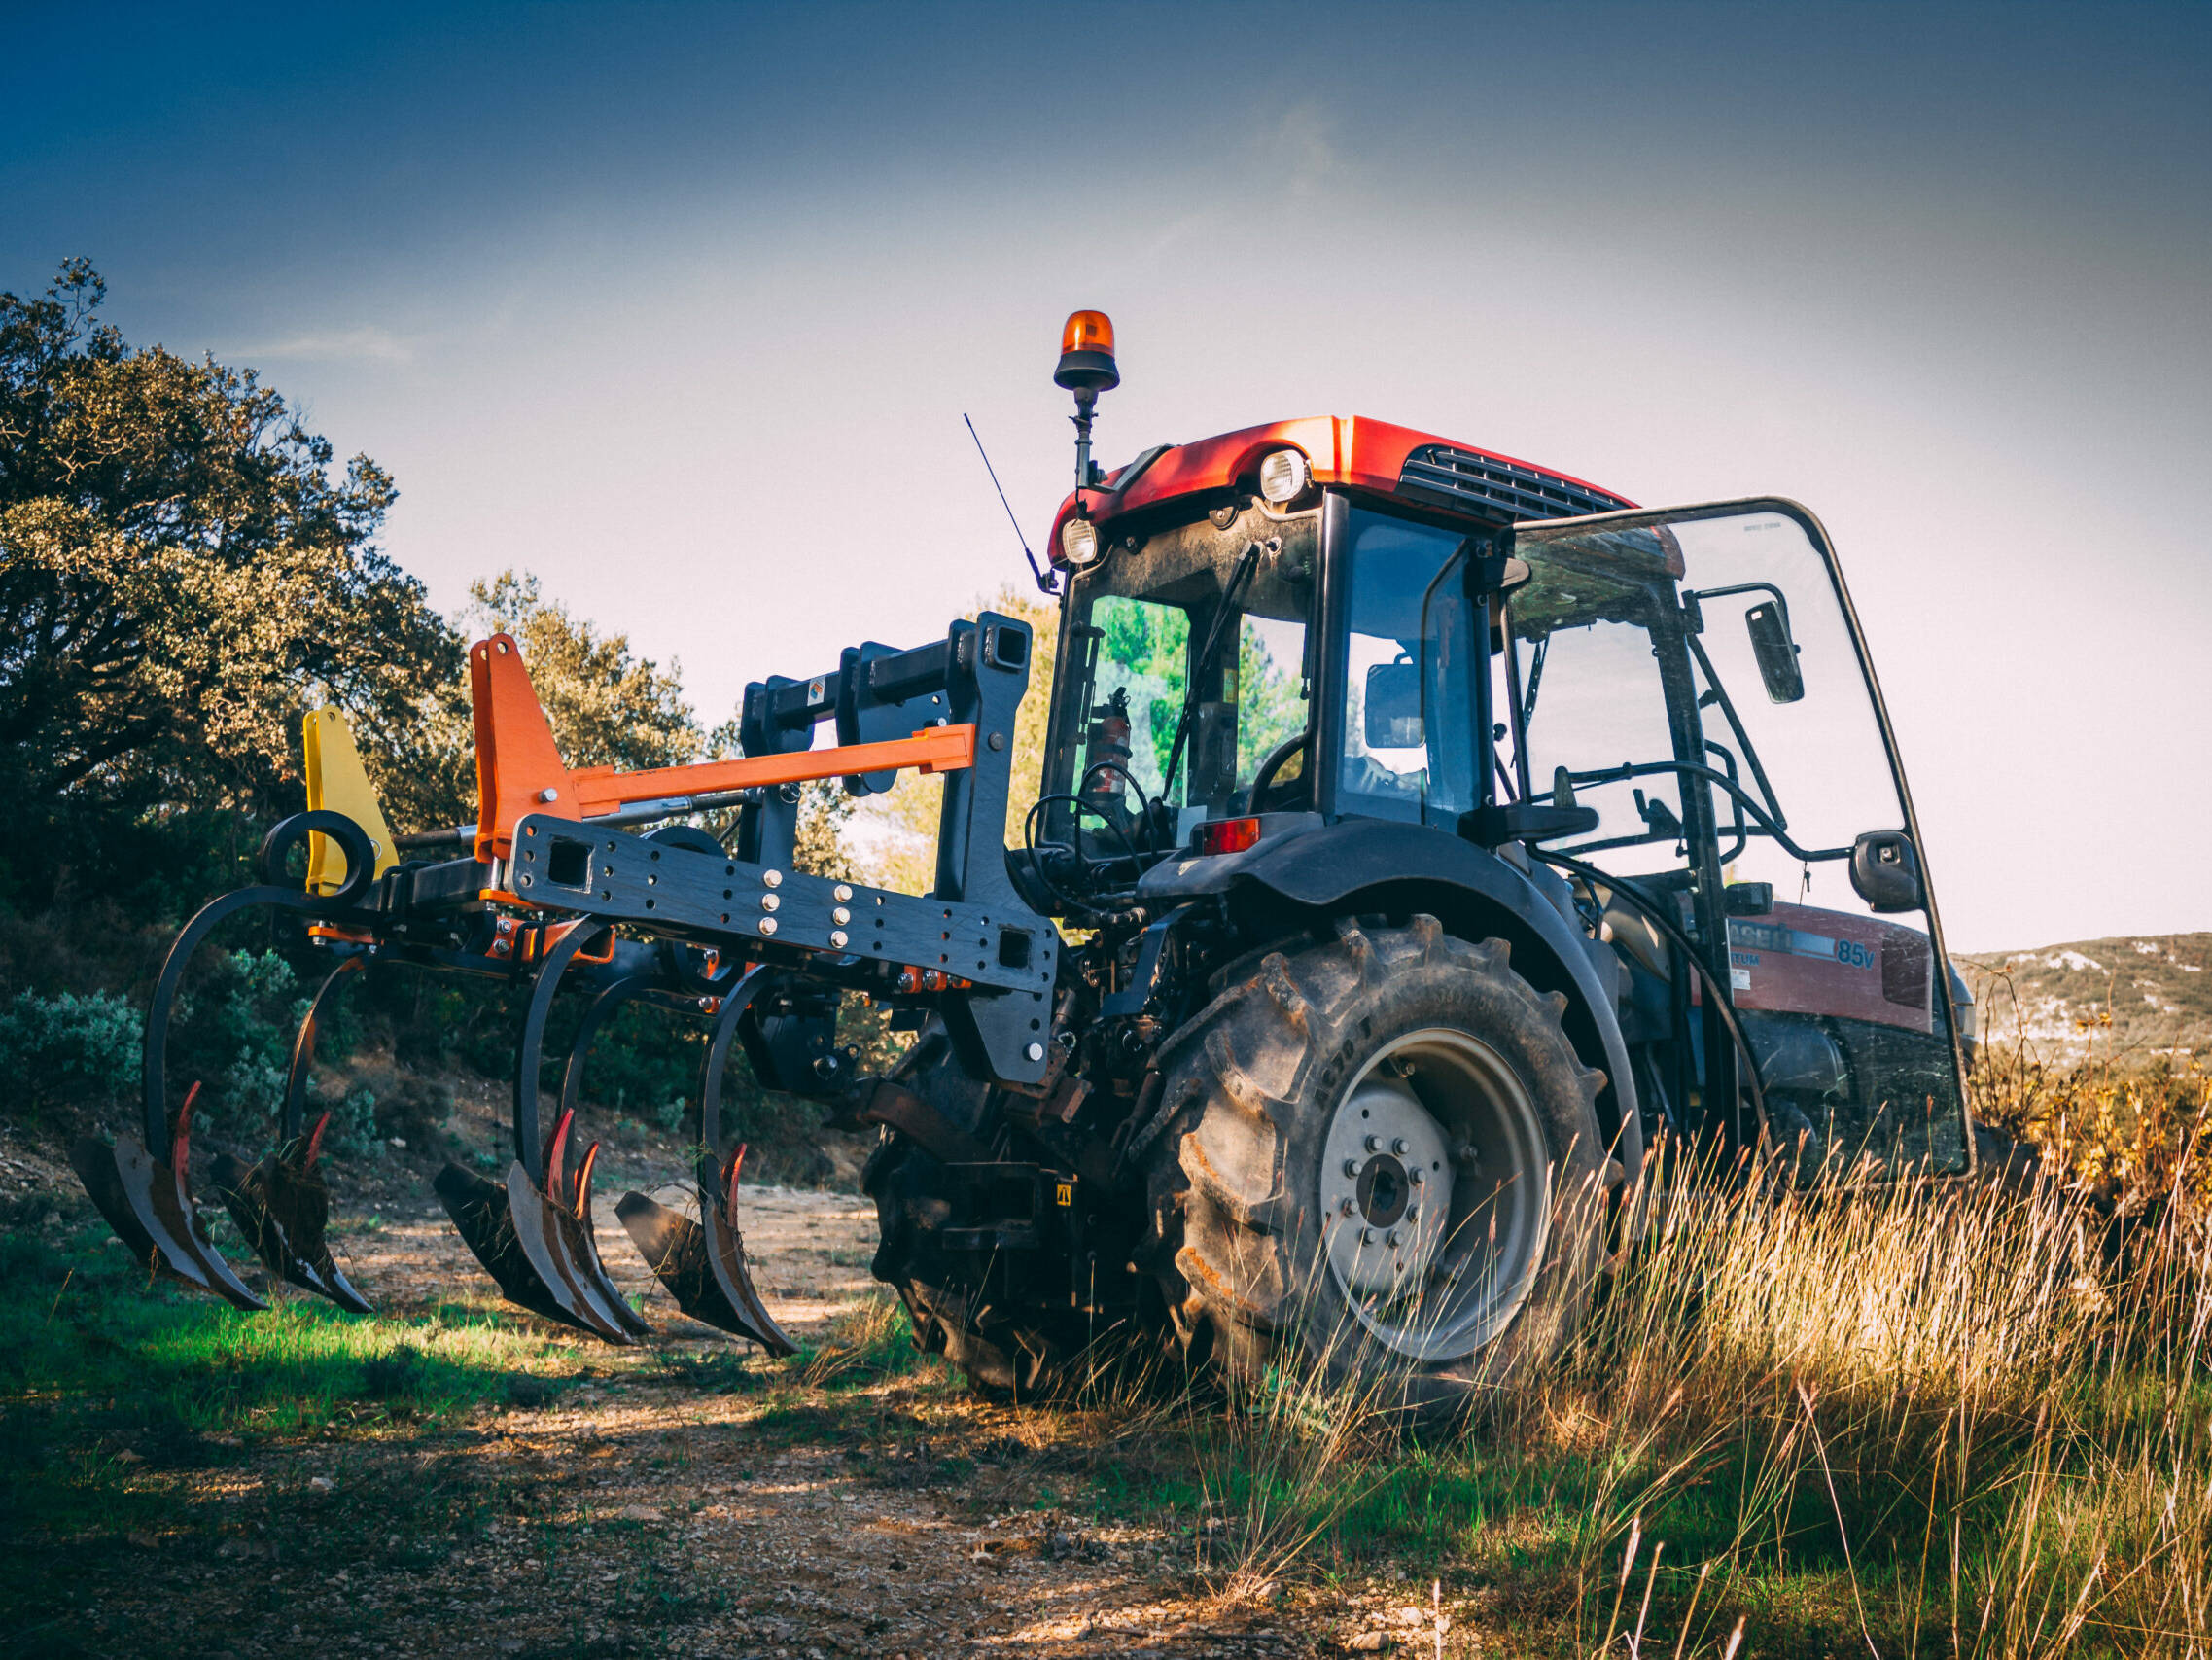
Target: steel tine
521,1230
282,1205
702,1264
567,1201
149,1204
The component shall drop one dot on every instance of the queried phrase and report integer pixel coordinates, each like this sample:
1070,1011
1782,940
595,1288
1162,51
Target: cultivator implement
556,890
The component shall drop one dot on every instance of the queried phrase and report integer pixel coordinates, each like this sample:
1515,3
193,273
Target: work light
1079,541
1283,477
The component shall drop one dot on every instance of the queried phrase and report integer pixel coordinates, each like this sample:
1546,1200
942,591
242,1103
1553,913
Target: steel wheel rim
1434,1194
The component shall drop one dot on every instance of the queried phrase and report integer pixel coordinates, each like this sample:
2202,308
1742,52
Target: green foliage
69,1049
353,1127
233,1035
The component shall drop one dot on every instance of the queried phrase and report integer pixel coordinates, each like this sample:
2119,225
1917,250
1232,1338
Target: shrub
68,1050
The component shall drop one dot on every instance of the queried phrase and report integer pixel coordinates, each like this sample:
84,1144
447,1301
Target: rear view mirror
1885,871
1777,652
1392,716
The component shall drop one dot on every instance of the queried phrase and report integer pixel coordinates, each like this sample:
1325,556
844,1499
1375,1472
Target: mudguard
1372,865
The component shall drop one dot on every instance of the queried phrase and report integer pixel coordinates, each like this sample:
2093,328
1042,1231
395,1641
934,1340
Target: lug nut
1346,1206
1373,1144
1351,1167
1367,1236
1391,1238
1416,1176
1413,1213
1400,1145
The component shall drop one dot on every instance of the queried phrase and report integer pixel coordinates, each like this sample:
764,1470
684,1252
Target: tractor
1429,846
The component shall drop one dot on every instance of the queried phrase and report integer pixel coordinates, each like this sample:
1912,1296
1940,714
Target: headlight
1079,542
1283,477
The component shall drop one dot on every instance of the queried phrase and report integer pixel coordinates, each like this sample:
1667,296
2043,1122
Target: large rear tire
1385,1162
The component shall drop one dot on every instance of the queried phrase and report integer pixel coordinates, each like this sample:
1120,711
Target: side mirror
1885,871
1777,652
1391,715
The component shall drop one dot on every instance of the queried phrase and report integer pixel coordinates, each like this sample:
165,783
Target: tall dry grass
1900,1418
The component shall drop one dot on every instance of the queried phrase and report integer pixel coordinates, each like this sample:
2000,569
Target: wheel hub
1434,1194
1386,1186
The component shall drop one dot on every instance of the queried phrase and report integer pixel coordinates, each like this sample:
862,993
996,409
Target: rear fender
1358,866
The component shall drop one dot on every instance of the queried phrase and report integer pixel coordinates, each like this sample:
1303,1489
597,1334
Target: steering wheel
1274,763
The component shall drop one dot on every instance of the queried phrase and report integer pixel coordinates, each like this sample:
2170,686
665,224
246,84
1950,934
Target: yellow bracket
337,782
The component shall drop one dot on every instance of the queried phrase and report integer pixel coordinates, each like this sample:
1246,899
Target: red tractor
1435,836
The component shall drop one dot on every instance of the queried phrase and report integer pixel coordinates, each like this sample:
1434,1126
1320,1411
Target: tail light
1224,835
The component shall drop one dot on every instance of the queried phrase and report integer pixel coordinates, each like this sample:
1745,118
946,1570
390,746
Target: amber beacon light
1086,369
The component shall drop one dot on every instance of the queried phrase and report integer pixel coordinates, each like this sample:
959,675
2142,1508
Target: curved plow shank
702,1264
281,1204
283,1208
579,1243
149,1204
533,1233
506,1224
143,1186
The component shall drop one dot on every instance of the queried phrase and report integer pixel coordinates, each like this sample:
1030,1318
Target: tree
182,573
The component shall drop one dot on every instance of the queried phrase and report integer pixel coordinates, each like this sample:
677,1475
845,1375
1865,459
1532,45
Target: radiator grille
1484,481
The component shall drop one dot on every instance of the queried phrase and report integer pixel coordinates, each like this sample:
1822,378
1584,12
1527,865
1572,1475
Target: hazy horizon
680,307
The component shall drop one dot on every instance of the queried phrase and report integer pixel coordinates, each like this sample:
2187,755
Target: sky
680,307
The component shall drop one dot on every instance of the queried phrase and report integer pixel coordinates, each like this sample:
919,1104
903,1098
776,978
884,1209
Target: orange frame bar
934,748
519,770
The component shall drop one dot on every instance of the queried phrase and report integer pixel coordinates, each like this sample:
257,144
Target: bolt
842,894
1417,1176
1367,1236
1347,1208
998,741
706,1004
767,925
769,901
1351,1167
506,925
1391,1238
502,947
1413,1213
772,878
549,795
1373,1144
1035,1051
840,916
1400,1145
837,938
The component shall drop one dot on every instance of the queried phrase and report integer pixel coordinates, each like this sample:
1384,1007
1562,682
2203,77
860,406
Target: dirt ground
679,1499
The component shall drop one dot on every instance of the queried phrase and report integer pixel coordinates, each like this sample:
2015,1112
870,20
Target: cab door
1697,677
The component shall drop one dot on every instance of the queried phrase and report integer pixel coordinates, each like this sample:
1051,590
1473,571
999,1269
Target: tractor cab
1661,725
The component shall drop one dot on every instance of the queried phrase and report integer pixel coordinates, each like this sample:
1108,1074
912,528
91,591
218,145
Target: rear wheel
1386,1159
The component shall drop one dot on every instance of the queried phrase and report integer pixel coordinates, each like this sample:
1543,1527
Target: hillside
2136,997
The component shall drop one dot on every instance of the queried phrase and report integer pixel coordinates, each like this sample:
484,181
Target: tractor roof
1353,451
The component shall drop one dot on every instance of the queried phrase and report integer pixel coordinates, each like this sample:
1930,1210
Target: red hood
1356,451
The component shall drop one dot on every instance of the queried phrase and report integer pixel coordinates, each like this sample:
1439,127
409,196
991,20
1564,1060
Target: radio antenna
1044,581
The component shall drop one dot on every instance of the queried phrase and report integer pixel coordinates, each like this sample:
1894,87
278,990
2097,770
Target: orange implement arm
519,770
934,748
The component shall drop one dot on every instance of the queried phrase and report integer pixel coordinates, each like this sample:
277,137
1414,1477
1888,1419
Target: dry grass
1910,1418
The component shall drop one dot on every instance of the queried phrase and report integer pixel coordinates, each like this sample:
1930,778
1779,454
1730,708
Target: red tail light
1224,835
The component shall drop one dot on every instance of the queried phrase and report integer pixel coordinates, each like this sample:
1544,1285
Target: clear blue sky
680,306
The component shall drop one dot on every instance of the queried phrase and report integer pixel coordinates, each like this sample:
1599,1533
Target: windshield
1187,671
